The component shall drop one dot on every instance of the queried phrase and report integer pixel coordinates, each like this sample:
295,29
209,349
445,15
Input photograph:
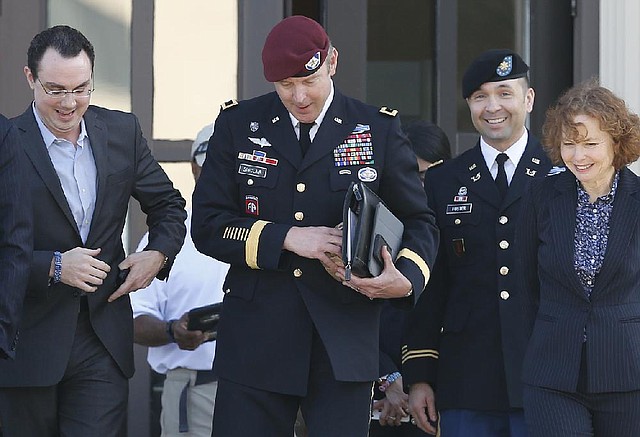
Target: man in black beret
464,338
293,332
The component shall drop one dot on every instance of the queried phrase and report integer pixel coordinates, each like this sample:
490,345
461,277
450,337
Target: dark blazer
125,169
16,235
242,210
557,308
465,334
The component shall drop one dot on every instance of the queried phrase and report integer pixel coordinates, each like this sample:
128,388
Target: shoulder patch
229,104
390,112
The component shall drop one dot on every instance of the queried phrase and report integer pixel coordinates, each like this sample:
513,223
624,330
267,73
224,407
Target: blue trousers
474,423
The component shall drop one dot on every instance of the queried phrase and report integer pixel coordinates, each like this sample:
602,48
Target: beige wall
195,64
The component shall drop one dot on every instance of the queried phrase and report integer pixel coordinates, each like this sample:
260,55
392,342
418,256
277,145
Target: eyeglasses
79,93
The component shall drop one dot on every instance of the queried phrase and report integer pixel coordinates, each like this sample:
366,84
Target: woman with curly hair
579,253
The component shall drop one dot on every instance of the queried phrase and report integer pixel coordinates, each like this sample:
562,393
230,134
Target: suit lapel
37,152
622,224
279,130
533,163
477,177
97,132
335,127
563,206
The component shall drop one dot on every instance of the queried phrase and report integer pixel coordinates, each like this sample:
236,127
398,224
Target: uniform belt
202,377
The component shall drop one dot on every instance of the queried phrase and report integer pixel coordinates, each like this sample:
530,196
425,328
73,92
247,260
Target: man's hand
187,340
394,406
422,402
81,269
389,284
143,267
317,242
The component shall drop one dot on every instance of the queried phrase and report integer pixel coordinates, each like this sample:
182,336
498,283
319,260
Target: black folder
205,319
368,225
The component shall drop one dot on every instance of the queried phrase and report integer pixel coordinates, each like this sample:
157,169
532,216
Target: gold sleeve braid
251,245
417,260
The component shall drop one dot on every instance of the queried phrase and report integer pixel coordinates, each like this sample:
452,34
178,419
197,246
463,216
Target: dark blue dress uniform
255,185
465,335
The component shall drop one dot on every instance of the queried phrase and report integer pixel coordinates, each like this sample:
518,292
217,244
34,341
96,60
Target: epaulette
390,112
229,104
438,162
556,170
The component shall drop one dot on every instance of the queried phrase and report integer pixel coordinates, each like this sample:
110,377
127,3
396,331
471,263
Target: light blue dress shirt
76,169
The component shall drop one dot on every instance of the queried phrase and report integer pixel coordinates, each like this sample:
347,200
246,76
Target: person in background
431,146
160,314
70,373
579,246
16,236
464,341
296,334
429,142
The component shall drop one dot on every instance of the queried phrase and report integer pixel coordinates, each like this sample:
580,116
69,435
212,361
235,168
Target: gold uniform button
504,295
249,181
297,273
503,220
504,244
299,216
457,221
504,270
301,187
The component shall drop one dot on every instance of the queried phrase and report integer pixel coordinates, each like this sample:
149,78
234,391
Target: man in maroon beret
294,334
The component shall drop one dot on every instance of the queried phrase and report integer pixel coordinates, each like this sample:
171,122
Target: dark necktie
501,177
305,139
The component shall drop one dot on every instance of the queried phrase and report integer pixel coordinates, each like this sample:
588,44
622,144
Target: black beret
492,66
296,47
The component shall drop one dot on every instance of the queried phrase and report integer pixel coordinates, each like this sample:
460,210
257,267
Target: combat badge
367,174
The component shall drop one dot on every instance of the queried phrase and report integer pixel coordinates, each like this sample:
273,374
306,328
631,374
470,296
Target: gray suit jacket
557,308
125,169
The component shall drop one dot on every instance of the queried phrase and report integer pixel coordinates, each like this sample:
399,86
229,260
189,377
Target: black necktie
501,177
305,139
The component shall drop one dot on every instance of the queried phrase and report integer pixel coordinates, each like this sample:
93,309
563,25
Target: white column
620,51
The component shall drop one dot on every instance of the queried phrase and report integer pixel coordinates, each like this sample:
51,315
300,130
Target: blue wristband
57,267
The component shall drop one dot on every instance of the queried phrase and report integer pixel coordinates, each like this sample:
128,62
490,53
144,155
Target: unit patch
253,170
251,205
257,156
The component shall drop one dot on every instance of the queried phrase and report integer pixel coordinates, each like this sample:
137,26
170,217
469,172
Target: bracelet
169,331
57,267
386,381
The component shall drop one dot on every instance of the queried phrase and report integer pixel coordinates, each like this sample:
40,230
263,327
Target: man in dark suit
292,334
75,353
465,338
16,236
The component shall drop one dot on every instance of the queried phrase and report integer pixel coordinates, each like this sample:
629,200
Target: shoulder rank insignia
438,162
229,104
389,112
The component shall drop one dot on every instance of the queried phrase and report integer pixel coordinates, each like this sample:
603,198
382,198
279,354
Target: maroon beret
296,47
